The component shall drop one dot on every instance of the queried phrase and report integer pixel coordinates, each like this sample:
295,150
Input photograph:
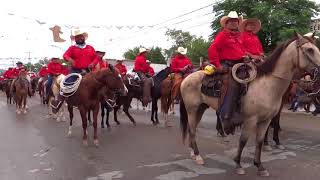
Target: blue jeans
49,84
74,70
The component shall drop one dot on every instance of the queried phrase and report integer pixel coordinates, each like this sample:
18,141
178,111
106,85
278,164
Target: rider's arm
68,55
214,50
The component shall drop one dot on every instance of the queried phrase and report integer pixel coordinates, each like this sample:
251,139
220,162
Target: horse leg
126,110
260,133
70,109
25,105
276,129
102,114
84,113
95,125
154,108
89,117
219,127
248,128
107,117
266,146
194,153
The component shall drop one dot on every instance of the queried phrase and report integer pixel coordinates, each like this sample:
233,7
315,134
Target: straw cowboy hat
77,32
182,50
231,15
255,21
310,34
142,50
120,60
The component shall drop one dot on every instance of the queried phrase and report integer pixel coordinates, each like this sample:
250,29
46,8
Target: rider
16,72
180,66
151,70
141,66
54,70
81,56
121,67
251,43
225,51
65,70
8,74
43,72
100,64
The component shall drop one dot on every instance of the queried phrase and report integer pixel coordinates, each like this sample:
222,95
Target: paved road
36,148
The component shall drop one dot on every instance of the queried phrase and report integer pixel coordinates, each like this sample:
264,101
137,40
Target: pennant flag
130,27
56,31
119,27
10,14
140,27
39,22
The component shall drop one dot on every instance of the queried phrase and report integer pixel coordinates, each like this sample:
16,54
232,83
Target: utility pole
29,56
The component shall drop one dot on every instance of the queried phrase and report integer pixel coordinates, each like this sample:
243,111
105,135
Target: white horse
60,116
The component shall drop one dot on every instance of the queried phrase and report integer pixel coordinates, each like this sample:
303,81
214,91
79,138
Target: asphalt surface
34,147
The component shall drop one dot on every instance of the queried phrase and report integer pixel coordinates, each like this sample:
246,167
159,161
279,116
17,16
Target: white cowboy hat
231,15
148,61
119,59
77,32
309,35
255,21
44,65
64,64
182,50
142,49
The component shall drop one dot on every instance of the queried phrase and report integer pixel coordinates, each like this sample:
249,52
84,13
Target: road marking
177,175
108,176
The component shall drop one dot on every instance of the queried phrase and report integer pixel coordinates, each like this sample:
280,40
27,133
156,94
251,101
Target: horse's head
308,58
114,81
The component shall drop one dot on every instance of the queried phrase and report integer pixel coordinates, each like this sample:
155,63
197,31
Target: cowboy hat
77,32
231,15
255,21
148,61
142,50
19,62
182,50
64,64
119,60
310,34
44,65
101,52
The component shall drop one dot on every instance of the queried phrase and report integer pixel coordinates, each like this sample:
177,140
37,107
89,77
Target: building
315,25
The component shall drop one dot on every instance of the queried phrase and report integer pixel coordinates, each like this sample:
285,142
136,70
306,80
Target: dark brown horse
41,90
21,94
87,97
135,90
7,89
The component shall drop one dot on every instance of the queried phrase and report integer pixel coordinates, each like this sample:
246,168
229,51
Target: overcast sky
21,33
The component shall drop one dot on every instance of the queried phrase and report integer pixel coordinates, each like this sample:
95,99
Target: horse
21,87
41,89
135,90
87,98
161,89
55,90
274,77
7,89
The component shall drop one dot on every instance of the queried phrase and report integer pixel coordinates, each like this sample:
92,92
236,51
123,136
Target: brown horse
41,89
87,97
21,88
257,109
7,89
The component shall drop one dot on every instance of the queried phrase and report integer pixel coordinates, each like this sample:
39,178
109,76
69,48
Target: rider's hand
71,61
91,65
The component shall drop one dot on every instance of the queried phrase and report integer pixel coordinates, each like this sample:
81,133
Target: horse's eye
310,50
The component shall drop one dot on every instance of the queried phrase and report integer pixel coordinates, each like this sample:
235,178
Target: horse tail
183,120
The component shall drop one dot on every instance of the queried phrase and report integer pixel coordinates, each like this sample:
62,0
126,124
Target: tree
155,55
178,38
279,18
197,48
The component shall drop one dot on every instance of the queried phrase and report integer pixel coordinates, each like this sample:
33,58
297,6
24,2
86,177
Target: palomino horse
21,87
87,97
275,75
55,88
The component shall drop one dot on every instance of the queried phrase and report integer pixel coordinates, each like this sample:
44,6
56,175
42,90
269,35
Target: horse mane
270,62
163,74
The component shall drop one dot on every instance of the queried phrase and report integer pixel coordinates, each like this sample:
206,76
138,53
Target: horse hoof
102,126
199,160
240,171
18,112
281,147
24,112
63,120
96,142
263,173
69,134
58,120
85,142
267,148
192,155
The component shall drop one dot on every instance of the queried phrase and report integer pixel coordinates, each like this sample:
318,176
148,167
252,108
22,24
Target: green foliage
279,18
197,48
131,53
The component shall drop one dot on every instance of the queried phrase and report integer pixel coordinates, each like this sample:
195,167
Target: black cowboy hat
19,62
101,52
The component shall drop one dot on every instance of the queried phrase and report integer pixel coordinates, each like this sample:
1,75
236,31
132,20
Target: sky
113,25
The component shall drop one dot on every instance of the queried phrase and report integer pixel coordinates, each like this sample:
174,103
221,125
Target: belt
231,62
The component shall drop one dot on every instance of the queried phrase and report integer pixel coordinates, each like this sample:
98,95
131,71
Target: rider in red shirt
8,74
140,64
250,40
43,71
54,70
16,72
225,51
121,67
180,66
100,63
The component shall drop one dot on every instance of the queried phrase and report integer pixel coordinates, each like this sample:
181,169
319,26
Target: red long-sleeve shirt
8,74
122,69
251,43
227,45
178,62
43,72
16,71
55,68
82,57
141,64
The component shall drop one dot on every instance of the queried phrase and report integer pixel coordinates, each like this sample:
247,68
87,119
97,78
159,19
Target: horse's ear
313,34
111,67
